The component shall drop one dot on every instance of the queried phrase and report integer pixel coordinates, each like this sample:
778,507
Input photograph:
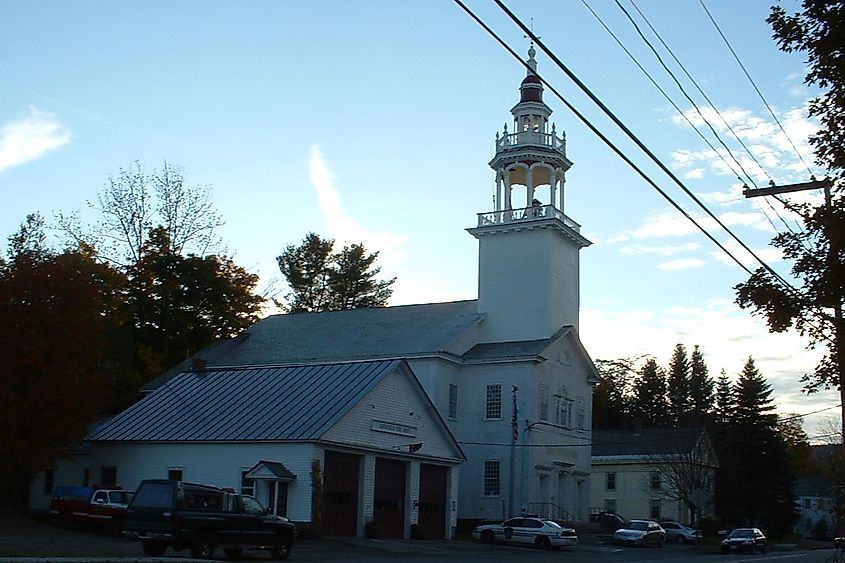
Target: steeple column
529,183
553,177
508,205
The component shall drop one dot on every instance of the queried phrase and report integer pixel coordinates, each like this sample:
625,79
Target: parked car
608,520
744,539
681,533
102,507
542,533
641,532
166,513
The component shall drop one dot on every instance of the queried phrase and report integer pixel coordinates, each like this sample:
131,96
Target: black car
166,513
744,539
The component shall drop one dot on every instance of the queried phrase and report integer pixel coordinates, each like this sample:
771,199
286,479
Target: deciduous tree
55,312
817,252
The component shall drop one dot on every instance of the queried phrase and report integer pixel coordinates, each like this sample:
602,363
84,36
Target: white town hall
408,417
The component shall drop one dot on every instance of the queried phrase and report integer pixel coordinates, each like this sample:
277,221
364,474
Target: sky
374,122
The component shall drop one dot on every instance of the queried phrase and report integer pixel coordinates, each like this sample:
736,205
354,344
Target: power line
684,92
756,89
704,95
662,91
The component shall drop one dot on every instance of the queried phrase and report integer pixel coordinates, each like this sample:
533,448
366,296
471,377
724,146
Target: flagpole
514,436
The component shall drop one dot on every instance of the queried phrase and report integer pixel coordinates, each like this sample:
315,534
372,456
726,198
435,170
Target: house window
610,481
492,478
453,401
655,509
175,473
49,478
610,505
108,476
544,403
247,485
493,408
563,408
654,479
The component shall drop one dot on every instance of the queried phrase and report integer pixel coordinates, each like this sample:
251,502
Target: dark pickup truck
165,513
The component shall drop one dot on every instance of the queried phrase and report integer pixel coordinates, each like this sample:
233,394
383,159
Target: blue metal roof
248,404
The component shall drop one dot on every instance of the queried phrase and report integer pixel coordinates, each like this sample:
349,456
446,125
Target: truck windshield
153,495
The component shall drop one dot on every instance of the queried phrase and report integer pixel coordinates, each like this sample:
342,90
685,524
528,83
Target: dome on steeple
531,88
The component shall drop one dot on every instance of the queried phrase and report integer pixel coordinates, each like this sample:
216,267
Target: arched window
563,408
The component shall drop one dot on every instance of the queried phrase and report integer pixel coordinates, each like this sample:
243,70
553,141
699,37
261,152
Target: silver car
681,533
641,532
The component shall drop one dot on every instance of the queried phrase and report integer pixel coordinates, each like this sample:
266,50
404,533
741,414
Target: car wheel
203,547
282,548
681,539
488,536
542,542
233,553
154,549
751,549
724,550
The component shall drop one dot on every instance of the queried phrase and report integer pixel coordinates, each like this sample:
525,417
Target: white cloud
660,250
770,147
673,224
30,137
682,264
345,229
695,174
769,254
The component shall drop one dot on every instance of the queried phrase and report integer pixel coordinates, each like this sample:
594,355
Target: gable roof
358,334
646,442
299,402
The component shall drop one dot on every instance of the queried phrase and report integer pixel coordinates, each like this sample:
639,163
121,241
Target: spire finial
531,51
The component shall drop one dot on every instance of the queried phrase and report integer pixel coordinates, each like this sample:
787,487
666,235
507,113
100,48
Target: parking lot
23,539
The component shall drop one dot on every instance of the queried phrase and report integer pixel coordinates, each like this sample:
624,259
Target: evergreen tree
753,407
322,280
701,388
724,399
648,401
755,476
610,395
678,385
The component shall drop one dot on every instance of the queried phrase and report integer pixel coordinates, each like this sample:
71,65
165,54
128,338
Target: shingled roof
646,442
358,334
287,403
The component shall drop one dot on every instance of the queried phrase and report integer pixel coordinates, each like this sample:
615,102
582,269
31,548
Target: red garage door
433,486
389,502
340,494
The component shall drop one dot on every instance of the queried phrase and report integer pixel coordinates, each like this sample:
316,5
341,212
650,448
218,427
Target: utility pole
838,327
514,436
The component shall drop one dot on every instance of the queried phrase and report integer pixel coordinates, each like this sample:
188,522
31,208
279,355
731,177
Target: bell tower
528,272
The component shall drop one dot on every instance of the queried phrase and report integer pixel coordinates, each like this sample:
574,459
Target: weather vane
531,37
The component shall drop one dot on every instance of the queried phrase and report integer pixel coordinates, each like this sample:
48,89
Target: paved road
24,540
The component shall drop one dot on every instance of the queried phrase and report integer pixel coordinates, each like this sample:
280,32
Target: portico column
529,183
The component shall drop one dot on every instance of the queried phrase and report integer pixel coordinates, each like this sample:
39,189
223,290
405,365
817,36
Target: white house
506,372
654,473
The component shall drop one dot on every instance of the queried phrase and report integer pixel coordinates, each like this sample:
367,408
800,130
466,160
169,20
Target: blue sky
374,121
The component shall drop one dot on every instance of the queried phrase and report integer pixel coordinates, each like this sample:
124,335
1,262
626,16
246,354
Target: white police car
542,533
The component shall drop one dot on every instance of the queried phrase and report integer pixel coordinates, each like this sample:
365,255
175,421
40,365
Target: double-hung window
453,401
492,478
493,405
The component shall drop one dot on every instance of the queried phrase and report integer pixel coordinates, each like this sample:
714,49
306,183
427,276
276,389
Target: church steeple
533,155
528,263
